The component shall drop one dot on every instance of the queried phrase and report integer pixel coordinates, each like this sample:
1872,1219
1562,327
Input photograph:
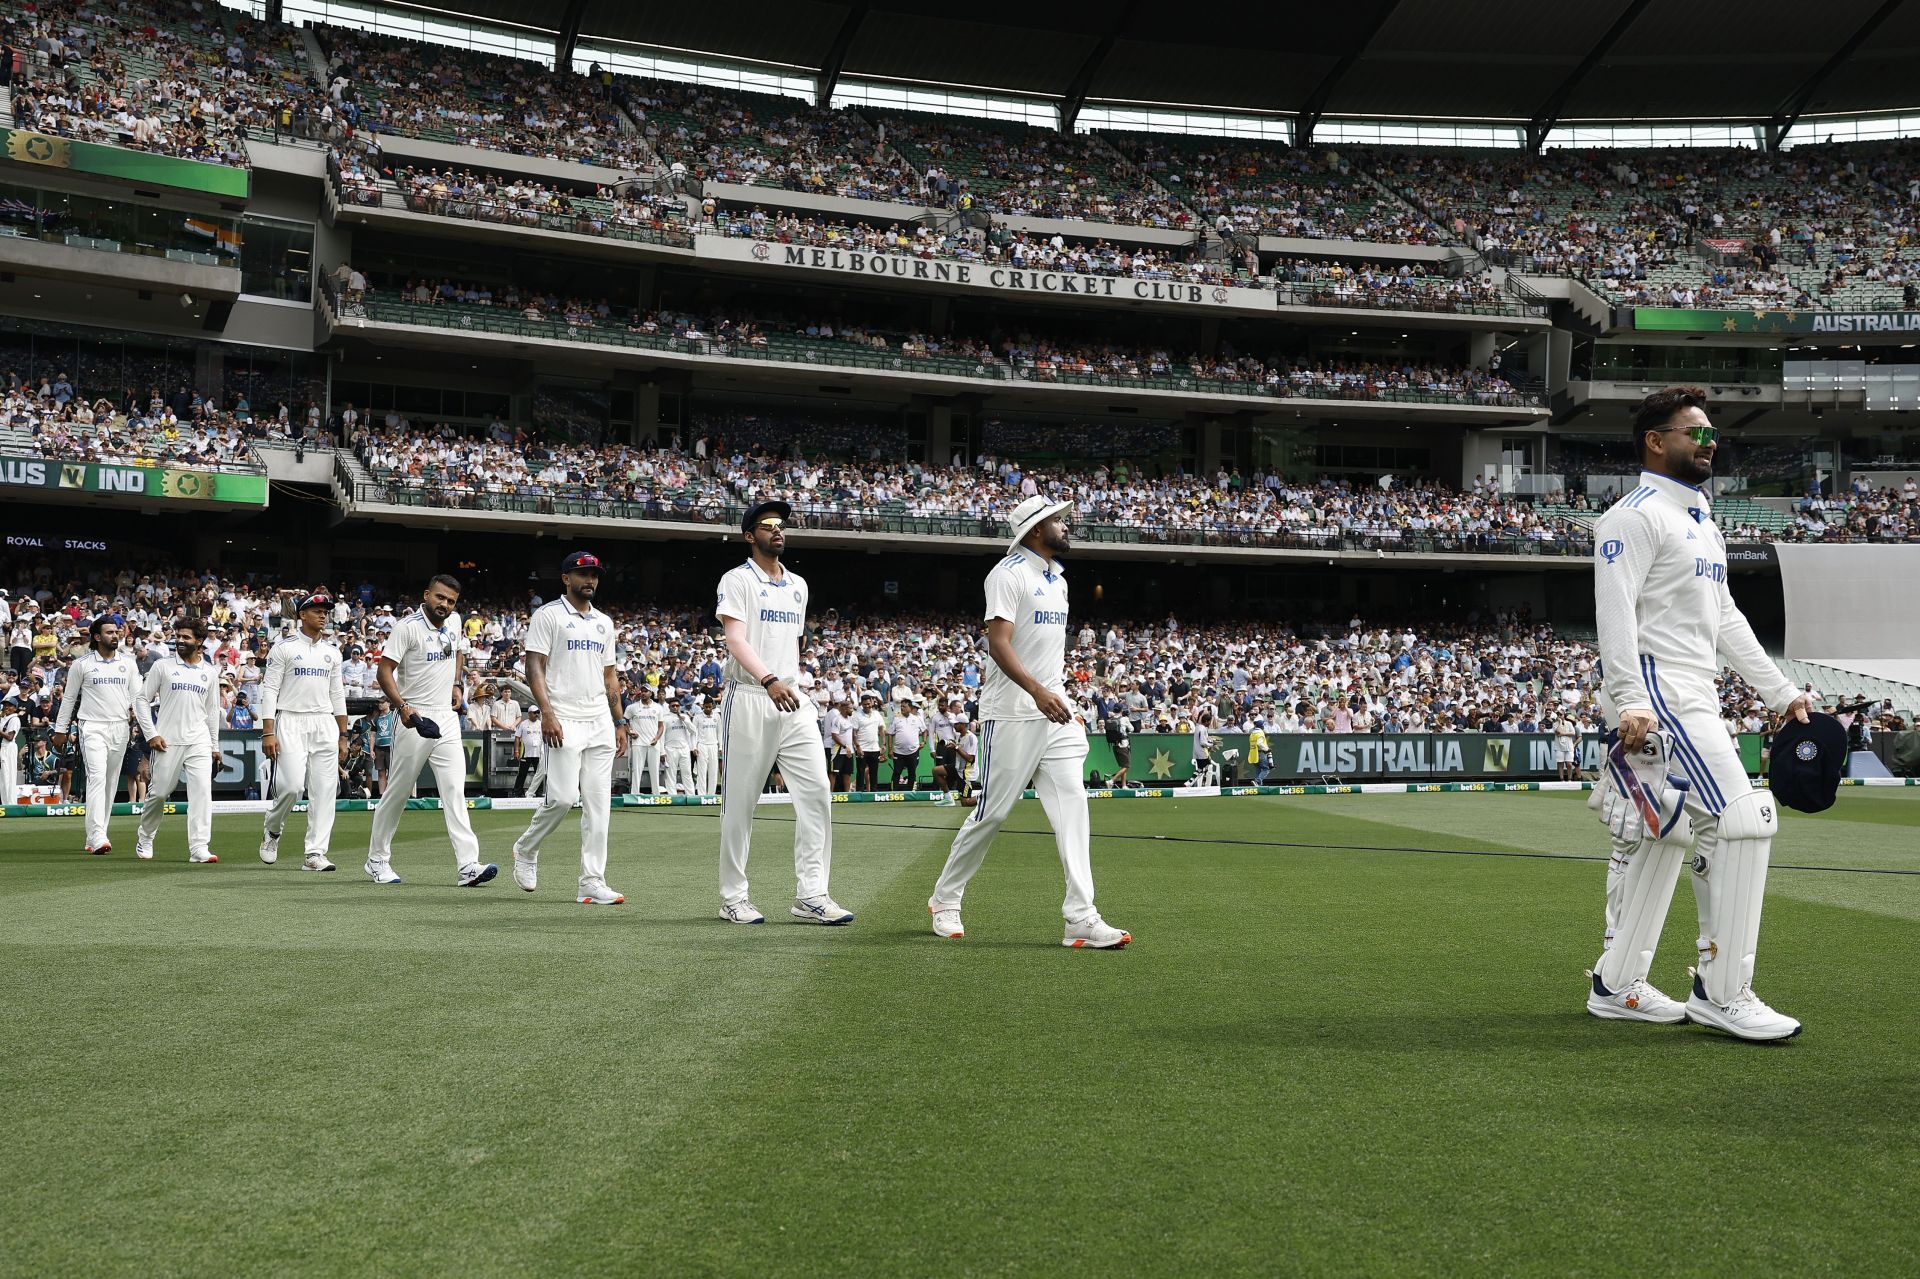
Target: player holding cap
765,723
570,669
419,673
185,741
301,691
101,684
1665,619
1030,733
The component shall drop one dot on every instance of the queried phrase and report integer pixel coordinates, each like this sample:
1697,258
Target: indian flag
225,239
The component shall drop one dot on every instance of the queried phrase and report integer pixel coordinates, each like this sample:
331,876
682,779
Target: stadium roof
1514,60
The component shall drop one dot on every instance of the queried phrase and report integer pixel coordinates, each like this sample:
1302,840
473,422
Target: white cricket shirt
644,719
426,659
578,648
776,616
1661,602
303,678
102,687
189,696
1030,592
706,729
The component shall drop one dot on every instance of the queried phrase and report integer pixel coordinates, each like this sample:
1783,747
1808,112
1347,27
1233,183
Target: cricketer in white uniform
706,741
419,672
185,740
1665,622
1029,732
101,683
678,743
303,715
570,668
9,754
765,722
646,728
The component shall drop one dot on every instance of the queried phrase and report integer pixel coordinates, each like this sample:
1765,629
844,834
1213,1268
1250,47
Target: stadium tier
1243,553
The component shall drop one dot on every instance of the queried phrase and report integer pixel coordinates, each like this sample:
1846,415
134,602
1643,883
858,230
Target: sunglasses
1700,435
771,523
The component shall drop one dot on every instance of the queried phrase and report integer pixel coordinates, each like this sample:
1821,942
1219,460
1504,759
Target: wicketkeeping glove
1640,797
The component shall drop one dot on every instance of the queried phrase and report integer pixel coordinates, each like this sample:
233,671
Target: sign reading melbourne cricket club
992,277
1810,323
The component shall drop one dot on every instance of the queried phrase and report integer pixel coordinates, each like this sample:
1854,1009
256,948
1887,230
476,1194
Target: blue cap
1807,762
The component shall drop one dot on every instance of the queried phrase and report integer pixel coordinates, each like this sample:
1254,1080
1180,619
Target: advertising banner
23,147
1838,324
143,482
807,261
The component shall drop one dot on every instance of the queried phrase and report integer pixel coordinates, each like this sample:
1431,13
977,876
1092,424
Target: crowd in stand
523,201
916,672
1269,189
1859,514
150,428
477,99
758,139
178,79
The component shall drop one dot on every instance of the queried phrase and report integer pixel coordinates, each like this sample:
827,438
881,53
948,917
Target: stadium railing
707,511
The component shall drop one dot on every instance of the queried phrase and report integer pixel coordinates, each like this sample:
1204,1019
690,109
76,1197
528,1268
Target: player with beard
185,740
419,672
1029,732
101,685
1665,622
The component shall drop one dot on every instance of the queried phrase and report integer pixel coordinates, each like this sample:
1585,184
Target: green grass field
1326,1052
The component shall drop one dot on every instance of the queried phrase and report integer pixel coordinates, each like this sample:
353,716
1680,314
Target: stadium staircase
1834,684
322,73
6,106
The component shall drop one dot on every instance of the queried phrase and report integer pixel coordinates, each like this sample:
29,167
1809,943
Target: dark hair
105,619
1658,411
447,580
197,625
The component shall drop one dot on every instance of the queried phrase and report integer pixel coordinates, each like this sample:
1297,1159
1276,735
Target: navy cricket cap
316,600
1807,762
579,560
760,510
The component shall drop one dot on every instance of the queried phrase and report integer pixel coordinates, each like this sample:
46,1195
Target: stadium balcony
393,320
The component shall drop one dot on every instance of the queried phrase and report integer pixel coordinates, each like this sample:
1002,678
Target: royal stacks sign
1813,324
140,482
819,260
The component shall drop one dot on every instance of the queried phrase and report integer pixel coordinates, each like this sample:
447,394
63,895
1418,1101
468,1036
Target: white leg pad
1729,884
1641,877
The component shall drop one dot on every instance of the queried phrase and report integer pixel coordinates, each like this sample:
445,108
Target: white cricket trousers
755,737
194,762
310,761
1014,752
10,771
680,770
649,762
448,759
103,745
706,770
580,768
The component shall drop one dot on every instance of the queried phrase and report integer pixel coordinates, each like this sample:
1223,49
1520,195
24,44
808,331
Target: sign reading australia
1800,323
988,276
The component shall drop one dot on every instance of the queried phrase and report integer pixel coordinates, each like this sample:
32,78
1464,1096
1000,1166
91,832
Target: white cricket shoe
526,871
946,921
1095,933
1747,1017
380,871
741,912
1637,1001
594,892
316,861
270,848
143,849
475,875
203,857
820,910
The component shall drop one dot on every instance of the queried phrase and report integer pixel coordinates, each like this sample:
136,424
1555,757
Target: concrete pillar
1481,344
939,434
1208,459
